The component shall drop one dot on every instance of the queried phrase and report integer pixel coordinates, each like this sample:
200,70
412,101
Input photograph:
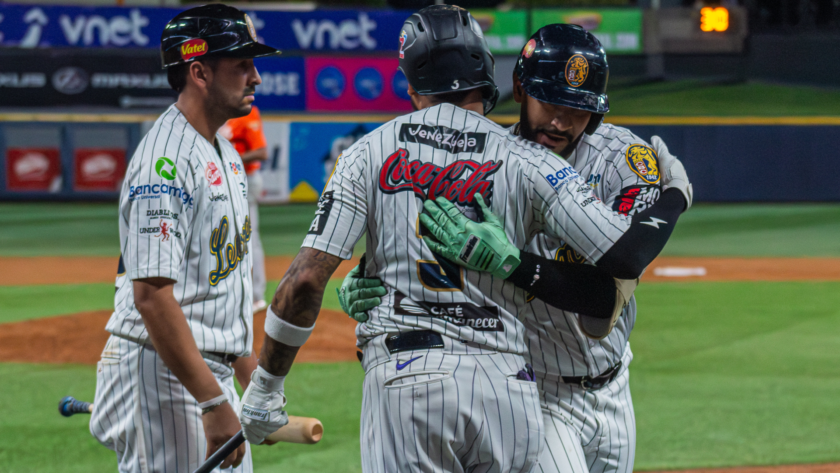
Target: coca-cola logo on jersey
458,182
213,175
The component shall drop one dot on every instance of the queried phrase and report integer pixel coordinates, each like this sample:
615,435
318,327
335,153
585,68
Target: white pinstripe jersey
184,216
379,185
623,172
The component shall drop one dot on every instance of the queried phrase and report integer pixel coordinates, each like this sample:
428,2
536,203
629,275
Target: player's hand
262,406
477,246
358,294
220,425
673,172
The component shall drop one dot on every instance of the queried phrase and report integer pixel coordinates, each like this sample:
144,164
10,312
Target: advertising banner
54,78
33,169
355,85
282,85
505,32
31,26
313,150
98,169
618,29
275,170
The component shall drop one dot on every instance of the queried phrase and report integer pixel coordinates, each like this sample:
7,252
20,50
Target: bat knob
69,405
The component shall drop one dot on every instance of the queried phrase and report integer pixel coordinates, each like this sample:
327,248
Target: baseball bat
306,430
219,455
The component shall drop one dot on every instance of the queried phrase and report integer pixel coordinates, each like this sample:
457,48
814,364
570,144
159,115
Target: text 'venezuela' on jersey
184,216
379,185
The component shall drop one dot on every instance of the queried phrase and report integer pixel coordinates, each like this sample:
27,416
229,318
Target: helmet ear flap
490,103
594,122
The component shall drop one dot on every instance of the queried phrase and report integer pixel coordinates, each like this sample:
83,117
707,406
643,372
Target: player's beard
532,134
230,104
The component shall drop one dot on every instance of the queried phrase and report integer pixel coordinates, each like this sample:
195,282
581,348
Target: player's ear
518,91
199,74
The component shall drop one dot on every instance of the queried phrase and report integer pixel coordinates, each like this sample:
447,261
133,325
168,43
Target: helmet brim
248,51
567,96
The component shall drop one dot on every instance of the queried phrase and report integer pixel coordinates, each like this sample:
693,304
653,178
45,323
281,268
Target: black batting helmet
442,50
566,65
210,31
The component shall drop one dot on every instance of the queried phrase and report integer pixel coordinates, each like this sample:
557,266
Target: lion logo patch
577,70
643,161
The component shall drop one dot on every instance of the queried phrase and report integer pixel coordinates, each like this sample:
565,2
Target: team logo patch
529,48
236,168
213,174
643,161
403,39
251,30
165,168
193,48
577,69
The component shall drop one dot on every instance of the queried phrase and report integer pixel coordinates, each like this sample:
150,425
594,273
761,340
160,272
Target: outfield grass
707,230
725,374
703,98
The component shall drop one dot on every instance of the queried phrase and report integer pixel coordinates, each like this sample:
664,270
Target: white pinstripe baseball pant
588,431
143,413
449,413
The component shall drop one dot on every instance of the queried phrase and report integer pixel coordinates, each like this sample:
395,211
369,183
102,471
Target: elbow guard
598,328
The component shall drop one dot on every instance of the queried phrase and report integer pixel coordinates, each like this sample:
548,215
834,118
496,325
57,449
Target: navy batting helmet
210,31
442,50
566,65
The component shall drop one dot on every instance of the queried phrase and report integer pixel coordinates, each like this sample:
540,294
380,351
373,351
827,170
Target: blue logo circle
400,84
368,83
329,83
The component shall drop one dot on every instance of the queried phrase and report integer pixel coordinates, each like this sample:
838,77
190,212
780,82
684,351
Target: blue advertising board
31,26
283,86
313,150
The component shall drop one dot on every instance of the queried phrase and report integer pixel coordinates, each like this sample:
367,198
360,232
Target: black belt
225,357
594,383
419,340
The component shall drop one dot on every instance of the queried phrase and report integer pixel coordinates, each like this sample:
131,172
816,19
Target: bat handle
70,405
219,455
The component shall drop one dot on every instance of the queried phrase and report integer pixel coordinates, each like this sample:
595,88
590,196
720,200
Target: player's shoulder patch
643,161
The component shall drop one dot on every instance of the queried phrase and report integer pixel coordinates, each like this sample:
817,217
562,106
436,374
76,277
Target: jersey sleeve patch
558,178
322,215
644,162
635,199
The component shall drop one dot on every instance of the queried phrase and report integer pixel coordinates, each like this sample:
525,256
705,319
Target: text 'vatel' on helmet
442,50
566,65
214,30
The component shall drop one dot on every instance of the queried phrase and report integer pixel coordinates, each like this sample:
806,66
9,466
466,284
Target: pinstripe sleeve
341,217
570,211
159,186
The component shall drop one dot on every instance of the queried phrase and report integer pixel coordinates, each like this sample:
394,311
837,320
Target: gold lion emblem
643,161
577,69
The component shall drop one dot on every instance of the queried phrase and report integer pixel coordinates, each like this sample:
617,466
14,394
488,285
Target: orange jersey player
246,135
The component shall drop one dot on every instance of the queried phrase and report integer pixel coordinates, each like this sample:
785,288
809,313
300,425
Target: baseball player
182,324
580,364
246,135
446,387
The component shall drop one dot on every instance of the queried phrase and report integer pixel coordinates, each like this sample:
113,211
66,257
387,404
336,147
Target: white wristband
267,381
284,332
213,402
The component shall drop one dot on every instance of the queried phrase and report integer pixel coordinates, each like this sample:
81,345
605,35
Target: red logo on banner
33,169
213,175
98,169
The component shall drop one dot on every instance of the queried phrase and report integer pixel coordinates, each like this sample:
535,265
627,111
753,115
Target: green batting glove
477,246
358,294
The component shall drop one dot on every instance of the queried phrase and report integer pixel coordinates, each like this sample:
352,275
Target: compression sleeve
573,287
645,238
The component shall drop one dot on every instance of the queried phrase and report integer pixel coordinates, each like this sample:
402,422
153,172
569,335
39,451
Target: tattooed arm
297,301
